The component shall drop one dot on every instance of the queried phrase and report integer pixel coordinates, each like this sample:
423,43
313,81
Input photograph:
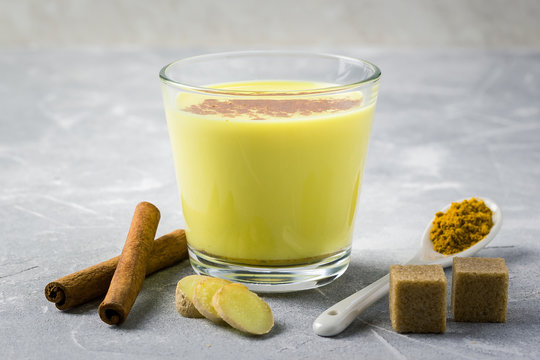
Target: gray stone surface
251,23
83,139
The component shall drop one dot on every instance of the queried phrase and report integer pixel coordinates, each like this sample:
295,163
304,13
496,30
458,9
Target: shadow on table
358,275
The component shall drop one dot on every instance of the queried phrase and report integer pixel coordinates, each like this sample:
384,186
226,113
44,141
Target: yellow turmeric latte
269,180
461,226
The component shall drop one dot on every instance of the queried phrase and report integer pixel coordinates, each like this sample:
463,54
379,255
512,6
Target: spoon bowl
426,255
336,318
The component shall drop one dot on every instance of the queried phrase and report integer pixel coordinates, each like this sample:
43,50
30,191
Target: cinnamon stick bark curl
130,272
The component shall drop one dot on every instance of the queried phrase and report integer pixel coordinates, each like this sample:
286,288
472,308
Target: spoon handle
336,318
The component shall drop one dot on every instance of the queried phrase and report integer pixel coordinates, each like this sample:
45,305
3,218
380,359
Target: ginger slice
184,295
243,309
203,294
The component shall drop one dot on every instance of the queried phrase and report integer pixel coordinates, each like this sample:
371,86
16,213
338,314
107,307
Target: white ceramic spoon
336,319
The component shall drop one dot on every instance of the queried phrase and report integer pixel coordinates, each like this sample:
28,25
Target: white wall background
270,23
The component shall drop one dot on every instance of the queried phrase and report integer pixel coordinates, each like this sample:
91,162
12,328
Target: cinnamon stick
90,283
130,272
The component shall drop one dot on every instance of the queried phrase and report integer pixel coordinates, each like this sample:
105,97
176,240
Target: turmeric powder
461,226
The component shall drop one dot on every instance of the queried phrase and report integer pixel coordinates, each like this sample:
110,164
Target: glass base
273,279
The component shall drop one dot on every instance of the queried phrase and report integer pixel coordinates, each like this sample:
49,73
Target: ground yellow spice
461,226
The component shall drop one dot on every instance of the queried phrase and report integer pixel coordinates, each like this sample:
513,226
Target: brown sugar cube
479,289
418,298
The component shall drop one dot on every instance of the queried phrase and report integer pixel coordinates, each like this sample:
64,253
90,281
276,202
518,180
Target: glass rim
328,89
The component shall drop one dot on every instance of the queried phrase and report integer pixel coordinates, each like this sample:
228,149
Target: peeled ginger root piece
203,294
184,295
243,309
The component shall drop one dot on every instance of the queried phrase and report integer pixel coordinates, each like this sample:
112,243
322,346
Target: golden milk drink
269,181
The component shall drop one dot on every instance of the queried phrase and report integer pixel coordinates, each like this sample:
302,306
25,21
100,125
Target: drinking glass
269,149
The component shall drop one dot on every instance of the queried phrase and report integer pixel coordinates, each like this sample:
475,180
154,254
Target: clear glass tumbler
269,150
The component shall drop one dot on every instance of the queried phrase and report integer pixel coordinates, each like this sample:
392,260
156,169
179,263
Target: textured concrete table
83,139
